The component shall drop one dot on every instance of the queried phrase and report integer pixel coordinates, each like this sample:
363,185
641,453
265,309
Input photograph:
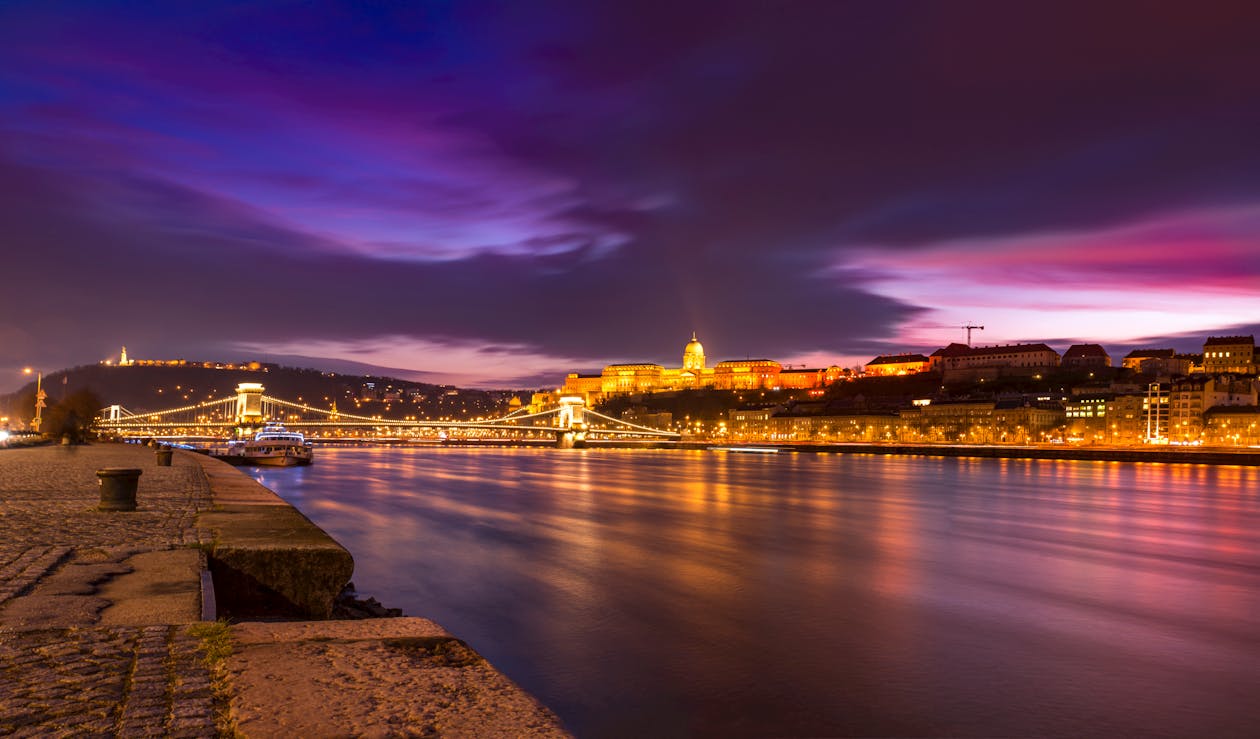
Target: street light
39,398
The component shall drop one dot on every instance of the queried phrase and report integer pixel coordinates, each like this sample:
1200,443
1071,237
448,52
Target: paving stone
80,678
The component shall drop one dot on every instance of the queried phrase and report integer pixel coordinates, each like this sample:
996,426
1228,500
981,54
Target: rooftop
1085,350
897,359
1151,354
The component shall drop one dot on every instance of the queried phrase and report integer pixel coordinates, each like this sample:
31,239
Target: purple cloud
587,183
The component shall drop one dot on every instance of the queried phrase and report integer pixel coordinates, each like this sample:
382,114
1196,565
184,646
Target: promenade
103,628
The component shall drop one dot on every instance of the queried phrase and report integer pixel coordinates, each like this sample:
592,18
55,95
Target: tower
249,410
693,355
122,361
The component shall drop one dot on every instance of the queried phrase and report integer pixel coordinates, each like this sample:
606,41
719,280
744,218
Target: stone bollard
118,488
164,456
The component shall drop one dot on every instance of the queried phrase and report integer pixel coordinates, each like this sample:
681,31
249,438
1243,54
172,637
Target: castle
738,374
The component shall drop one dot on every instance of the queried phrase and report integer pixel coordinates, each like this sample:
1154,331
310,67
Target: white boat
273,446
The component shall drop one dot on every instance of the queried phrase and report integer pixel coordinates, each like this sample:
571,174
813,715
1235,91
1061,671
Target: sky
497,193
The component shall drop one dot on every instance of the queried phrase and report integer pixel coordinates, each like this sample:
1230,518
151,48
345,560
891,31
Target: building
936,361
746,374
1192,362
1156,412
1135,359
1191,398
1126,418
1158,362
1086,357
1020,421
806,379
576,384
1229,354
1086,416
959,421
1232,425
897,364
961,362
630,378
742,374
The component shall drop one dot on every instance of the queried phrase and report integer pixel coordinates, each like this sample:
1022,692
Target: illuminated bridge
568,422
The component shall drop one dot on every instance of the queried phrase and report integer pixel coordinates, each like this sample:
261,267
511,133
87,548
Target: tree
72,416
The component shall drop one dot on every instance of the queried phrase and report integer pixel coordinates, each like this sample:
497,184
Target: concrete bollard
118,488
163,454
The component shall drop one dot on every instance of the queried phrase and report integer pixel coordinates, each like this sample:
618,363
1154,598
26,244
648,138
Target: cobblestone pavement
48,500
123,681
91,680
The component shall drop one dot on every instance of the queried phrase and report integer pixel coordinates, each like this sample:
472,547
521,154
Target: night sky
498,193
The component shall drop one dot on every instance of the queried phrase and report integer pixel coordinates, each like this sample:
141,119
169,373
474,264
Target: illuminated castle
740,374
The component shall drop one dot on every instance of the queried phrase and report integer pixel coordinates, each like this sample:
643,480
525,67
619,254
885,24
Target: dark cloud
582,180
841,123
207,275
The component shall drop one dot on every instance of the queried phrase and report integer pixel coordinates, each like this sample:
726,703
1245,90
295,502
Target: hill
141,388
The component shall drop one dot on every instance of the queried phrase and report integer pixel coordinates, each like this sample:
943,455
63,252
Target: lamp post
40,395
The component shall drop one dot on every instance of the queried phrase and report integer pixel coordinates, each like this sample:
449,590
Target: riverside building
1232,354
694,373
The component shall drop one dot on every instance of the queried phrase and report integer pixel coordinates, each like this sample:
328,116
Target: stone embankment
1162,454
104,624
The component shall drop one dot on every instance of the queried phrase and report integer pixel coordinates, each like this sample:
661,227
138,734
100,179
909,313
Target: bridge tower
249,404
114,413
570,425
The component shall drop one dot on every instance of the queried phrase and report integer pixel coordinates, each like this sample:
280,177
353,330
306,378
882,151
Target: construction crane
969,326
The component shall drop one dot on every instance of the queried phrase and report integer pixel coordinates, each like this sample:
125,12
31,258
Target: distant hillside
152,388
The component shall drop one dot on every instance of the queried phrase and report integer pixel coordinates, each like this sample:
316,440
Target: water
673,593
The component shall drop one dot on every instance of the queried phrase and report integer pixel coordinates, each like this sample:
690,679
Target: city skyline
497,195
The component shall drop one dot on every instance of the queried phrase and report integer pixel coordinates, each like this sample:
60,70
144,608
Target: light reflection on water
672,593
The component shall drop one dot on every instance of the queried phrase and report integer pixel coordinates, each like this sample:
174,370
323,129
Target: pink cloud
1192,271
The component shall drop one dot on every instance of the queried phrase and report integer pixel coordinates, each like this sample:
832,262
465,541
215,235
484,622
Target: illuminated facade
740,374
897,364
1237,425
1021,356
969,422
1192,397
1234,354
1087,417
1160,362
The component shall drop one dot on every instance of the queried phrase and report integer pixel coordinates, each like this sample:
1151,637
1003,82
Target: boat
273,446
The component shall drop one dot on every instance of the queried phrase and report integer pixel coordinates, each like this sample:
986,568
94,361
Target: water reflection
680,593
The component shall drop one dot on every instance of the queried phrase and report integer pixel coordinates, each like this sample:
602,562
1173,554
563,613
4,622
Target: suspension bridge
569,422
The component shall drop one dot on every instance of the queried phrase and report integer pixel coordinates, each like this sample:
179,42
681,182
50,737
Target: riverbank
1161,454
103,616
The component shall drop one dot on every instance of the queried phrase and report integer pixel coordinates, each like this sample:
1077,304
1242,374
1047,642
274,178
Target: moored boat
273,446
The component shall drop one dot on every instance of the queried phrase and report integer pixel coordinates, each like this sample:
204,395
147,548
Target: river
691,593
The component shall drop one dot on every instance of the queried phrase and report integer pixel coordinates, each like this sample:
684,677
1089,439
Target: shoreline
203,609
410,664
1163,455
1246,457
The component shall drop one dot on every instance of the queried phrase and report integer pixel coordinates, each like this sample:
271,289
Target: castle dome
693,354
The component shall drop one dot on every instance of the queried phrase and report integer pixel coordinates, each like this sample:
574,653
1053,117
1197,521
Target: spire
693,336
